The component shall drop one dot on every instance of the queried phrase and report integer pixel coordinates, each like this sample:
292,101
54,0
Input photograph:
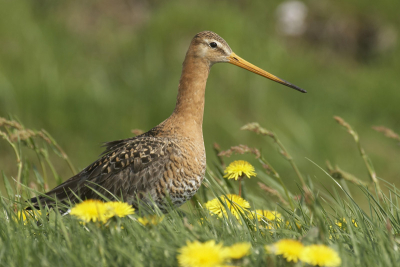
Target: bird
167,164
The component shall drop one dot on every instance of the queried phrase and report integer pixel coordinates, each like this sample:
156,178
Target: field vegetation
76,74
228,222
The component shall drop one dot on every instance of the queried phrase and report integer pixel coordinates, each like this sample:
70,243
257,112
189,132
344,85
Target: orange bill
238,61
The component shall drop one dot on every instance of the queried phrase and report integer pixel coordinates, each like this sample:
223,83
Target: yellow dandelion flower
207,254
234,203
267,215
239,168
120,209
91,210
150,220
339,223
320,255
26,215
202,221
297,223
342,224
238,250
290,249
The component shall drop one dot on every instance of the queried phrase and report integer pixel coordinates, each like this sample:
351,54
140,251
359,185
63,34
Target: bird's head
211,47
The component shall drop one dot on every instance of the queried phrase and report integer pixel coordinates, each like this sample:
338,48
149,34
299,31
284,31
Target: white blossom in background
291,18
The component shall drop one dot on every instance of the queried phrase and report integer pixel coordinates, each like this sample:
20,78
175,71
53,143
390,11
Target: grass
79,69
313,214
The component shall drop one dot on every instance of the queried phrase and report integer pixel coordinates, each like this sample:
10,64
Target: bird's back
150,167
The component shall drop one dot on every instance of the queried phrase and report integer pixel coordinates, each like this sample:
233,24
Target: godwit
169,161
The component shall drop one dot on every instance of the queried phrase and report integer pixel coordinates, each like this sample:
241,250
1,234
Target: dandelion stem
240,187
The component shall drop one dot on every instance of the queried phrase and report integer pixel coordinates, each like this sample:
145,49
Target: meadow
76,74
81,69
316,226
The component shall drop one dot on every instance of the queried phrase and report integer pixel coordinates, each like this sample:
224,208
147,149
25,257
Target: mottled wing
128,169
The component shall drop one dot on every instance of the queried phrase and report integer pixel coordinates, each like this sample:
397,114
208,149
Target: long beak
238,61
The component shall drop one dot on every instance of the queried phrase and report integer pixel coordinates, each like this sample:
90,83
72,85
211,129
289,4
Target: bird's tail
60,196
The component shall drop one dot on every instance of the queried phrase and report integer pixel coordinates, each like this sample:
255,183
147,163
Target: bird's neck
187,118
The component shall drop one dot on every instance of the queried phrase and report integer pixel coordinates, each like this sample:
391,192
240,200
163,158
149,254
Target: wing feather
127,168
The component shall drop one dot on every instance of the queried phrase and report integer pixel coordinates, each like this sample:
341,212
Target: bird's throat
187,117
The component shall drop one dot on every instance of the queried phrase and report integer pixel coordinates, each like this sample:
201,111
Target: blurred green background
91,71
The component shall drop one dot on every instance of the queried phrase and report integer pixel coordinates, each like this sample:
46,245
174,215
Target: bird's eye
213,44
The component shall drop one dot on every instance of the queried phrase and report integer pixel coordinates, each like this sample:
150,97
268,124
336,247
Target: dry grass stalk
240,149
137,131
387,132
272,192
4,122
367,161
16,135
255,127
338,174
